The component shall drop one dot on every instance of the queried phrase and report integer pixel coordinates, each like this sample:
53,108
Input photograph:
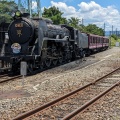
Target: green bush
113,41
114,36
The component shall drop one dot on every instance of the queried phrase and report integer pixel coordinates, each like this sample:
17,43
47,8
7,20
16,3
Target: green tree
82,28
74,22
55,15
93,29
114,36
6,9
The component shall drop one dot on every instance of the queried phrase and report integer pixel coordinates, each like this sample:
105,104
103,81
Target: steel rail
38,109
10,79
3,75
86,105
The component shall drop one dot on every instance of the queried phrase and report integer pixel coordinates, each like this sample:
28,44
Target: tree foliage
6,8
93,29
74,22
114,36
55,15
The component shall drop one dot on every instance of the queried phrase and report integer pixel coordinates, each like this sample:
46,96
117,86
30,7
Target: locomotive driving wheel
41,66
60,59
55,61
30,67
48,62
69,56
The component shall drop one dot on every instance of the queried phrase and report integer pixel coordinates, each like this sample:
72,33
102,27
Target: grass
113,41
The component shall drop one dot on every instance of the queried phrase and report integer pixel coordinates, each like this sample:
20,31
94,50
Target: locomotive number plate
19,25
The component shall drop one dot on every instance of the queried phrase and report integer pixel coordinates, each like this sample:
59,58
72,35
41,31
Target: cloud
34,4
92,13
100,15
69,11
87,7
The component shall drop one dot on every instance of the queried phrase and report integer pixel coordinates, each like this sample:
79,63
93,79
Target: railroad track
4,75
6,78
69,105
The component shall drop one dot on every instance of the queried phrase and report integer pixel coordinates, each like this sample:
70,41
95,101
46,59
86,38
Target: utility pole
116,33
104,29
82,21
110,39
39,8
112,29
29,6
19,3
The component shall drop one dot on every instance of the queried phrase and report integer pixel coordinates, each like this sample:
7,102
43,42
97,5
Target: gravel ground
107,108
53,83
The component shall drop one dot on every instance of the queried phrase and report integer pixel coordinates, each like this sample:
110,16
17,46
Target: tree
74,22
55,15
114,36
93,29
6,8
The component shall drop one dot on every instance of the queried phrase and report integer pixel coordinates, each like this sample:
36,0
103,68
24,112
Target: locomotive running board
56,40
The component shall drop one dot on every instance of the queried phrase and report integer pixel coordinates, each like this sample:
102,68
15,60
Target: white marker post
23,71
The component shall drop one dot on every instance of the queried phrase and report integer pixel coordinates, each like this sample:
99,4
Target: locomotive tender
41,43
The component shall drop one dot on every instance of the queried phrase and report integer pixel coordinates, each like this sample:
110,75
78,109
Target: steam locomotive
42,44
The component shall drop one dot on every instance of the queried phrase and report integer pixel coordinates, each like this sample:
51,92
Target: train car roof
105,37
95,35
98,36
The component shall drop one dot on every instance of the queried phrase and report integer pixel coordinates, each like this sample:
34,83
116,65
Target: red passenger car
97,43
105,43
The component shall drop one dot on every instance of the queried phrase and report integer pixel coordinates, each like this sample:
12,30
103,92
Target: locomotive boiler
38,42
42,44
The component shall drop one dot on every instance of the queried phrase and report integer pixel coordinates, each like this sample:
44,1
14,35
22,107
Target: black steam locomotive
42,44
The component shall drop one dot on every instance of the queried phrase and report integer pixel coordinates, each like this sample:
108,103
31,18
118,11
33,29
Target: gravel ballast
53,83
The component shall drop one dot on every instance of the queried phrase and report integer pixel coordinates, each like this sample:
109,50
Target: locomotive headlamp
18,13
